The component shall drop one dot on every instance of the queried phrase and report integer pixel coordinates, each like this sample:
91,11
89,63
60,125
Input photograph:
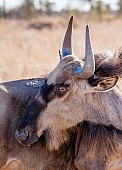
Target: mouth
30,141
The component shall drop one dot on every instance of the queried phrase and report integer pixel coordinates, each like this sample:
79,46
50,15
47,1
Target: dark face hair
46,94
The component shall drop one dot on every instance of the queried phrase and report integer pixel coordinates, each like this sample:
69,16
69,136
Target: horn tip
71,18
87,32
87,27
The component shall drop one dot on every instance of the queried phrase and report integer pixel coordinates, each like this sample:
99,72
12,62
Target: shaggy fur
100,147
109,66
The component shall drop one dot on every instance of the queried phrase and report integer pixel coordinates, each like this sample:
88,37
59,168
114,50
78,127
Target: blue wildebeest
79,91
15,96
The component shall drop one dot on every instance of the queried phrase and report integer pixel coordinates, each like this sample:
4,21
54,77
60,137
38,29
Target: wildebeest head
60,103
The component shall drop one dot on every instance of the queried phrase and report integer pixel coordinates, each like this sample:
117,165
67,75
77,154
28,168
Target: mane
109,65
98,138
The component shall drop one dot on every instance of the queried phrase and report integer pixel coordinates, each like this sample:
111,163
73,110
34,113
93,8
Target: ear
104,84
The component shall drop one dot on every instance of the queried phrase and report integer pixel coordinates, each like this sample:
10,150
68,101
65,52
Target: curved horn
89,63
67,46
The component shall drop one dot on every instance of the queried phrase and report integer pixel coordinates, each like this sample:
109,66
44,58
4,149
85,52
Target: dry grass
30,53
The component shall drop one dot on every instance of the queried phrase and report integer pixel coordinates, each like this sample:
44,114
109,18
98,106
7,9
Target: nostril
21,135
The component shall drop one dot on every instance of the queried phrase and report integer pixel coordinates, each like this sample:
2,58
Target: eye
62,89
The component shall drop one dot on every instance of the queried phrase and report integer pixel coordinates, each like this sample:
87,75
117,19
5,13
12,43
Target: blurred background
32,31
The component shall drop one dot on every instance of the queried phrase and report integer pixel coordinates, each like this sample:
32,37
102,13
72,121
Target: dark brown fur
109,66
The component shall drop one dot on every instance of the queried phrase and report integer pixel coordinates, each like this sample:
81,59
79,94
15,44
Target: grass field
28,52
